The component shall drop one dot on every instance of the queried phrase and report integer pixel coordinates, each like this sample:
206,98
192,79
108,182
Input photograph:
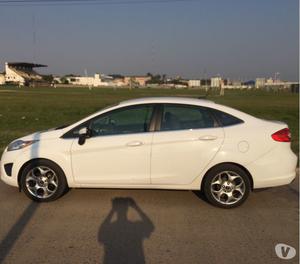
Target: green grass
25,110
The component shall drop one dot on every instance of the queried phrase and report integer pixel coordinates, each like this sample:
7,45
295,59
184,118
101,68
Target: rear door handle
208,137
134,144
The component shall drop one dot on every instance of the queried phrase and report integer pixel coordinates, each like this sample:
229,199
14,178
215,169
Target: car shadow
16,230
200,196
18,227
122,239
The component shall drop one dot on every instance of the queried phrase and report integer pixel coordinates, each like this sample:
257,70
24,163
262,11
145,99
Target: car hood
52,133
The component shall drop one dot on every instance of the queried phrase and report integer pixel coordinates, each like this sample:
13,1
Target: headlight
19,144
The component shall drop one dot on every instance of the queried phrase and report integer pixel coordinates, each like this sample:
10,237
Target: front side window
123,121
179,117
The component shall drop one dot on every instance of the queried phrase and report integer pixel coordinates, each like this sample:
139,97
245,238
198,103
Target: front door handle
208,137
134,144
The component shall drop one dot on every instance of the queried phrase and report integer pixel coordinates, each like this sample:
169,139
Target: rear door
188,139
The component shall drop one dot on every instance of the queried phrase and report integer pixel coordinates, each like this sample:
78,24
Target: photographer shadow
123,239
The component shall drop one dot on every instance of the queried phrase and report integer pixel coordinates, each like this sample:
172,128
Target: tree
48,78
116,76
156,79
64,80
149,74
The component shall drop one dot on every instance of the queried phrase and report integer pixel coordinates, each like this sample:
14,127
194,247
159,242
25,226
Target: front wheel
226,186
43,181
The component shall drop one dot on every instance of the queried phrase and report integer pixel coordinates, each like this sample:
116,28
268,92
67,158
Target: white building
57,80
260,82
271,81
21,73
13,75
2,79
194,83
94,81
231,86
216,82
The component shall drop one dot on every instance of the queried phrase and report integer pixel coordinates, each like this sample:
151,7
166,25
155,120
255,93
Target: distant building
231,86
260,82
2,78
270,81
216,82
194,83
180,86
279,85
250,84
236,83
136,80
205,82
274,84
22,73
94,81
118,82
57,80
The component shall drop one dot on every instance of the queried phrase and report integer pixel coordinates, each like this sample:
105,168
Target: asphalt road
151,226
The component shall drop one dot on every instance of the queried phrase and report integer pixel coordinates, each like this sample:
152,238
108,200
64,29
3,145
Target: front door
119,149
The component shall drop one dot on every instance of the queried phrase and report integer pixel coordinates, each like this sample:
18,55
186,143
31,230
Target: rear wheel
43,181
226,186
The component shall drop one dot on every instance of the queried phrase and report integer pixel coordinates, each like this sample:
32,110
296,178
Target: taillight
283,135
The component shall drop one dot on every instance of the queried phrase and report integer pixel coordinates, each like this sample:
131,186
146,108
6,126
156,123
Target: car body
162,142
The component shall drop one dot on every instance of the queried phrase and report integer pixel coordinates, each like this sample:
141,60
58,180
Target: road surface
146,226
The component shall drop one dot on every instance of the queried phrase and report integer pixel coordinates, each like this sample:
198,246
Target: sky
237,39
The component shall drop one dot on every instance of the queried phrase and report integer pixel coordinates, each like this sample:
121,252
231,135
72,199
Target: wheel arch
228,163
34,160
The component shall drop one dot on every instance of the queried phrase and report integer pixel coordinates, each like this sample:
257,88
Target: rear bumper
276,168
283,180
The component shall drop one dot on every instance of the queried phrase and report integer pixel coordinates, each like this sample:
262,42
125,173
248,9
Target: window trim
87,123
213,112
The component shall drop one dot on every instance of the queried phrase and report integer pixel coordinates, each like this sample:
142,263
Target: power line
86,2
45,1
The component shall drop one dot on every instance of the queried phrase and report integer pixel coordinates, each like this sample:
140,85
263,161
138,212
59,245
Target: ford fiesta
165,143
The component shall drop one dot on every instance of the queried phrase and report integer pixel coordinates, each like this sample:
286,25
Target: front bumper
9,157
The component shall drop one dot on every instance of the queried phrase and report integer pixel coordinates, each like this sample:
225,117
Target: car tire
43,181
226,186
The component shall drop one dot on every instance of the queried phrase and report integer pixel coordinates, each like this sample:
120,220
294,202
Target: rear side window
226,119
180,117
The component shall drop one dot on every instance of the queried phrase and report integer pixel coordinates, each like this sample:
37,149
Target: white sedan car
164,143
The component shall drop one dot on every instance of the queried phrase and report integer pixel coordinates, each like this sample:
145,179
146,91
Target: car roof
173,100
188,101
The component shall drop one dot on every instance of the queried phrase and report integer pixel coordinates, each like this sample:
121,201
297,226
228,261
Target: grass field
25,110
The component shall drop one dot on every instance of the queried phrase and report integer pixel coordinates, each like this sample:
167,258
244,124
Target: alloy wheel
41,182
227,187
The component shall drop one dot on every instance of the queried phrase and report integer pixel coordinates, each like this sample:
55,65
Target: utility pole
34,38
205,81
221,85
86,75
130,83
276,76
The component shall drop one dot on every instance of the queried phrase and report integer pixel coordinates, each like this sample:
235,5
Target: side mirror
83,134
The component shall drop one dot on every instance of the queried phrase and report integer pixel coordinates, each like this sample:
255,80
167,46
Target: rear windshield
226,119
